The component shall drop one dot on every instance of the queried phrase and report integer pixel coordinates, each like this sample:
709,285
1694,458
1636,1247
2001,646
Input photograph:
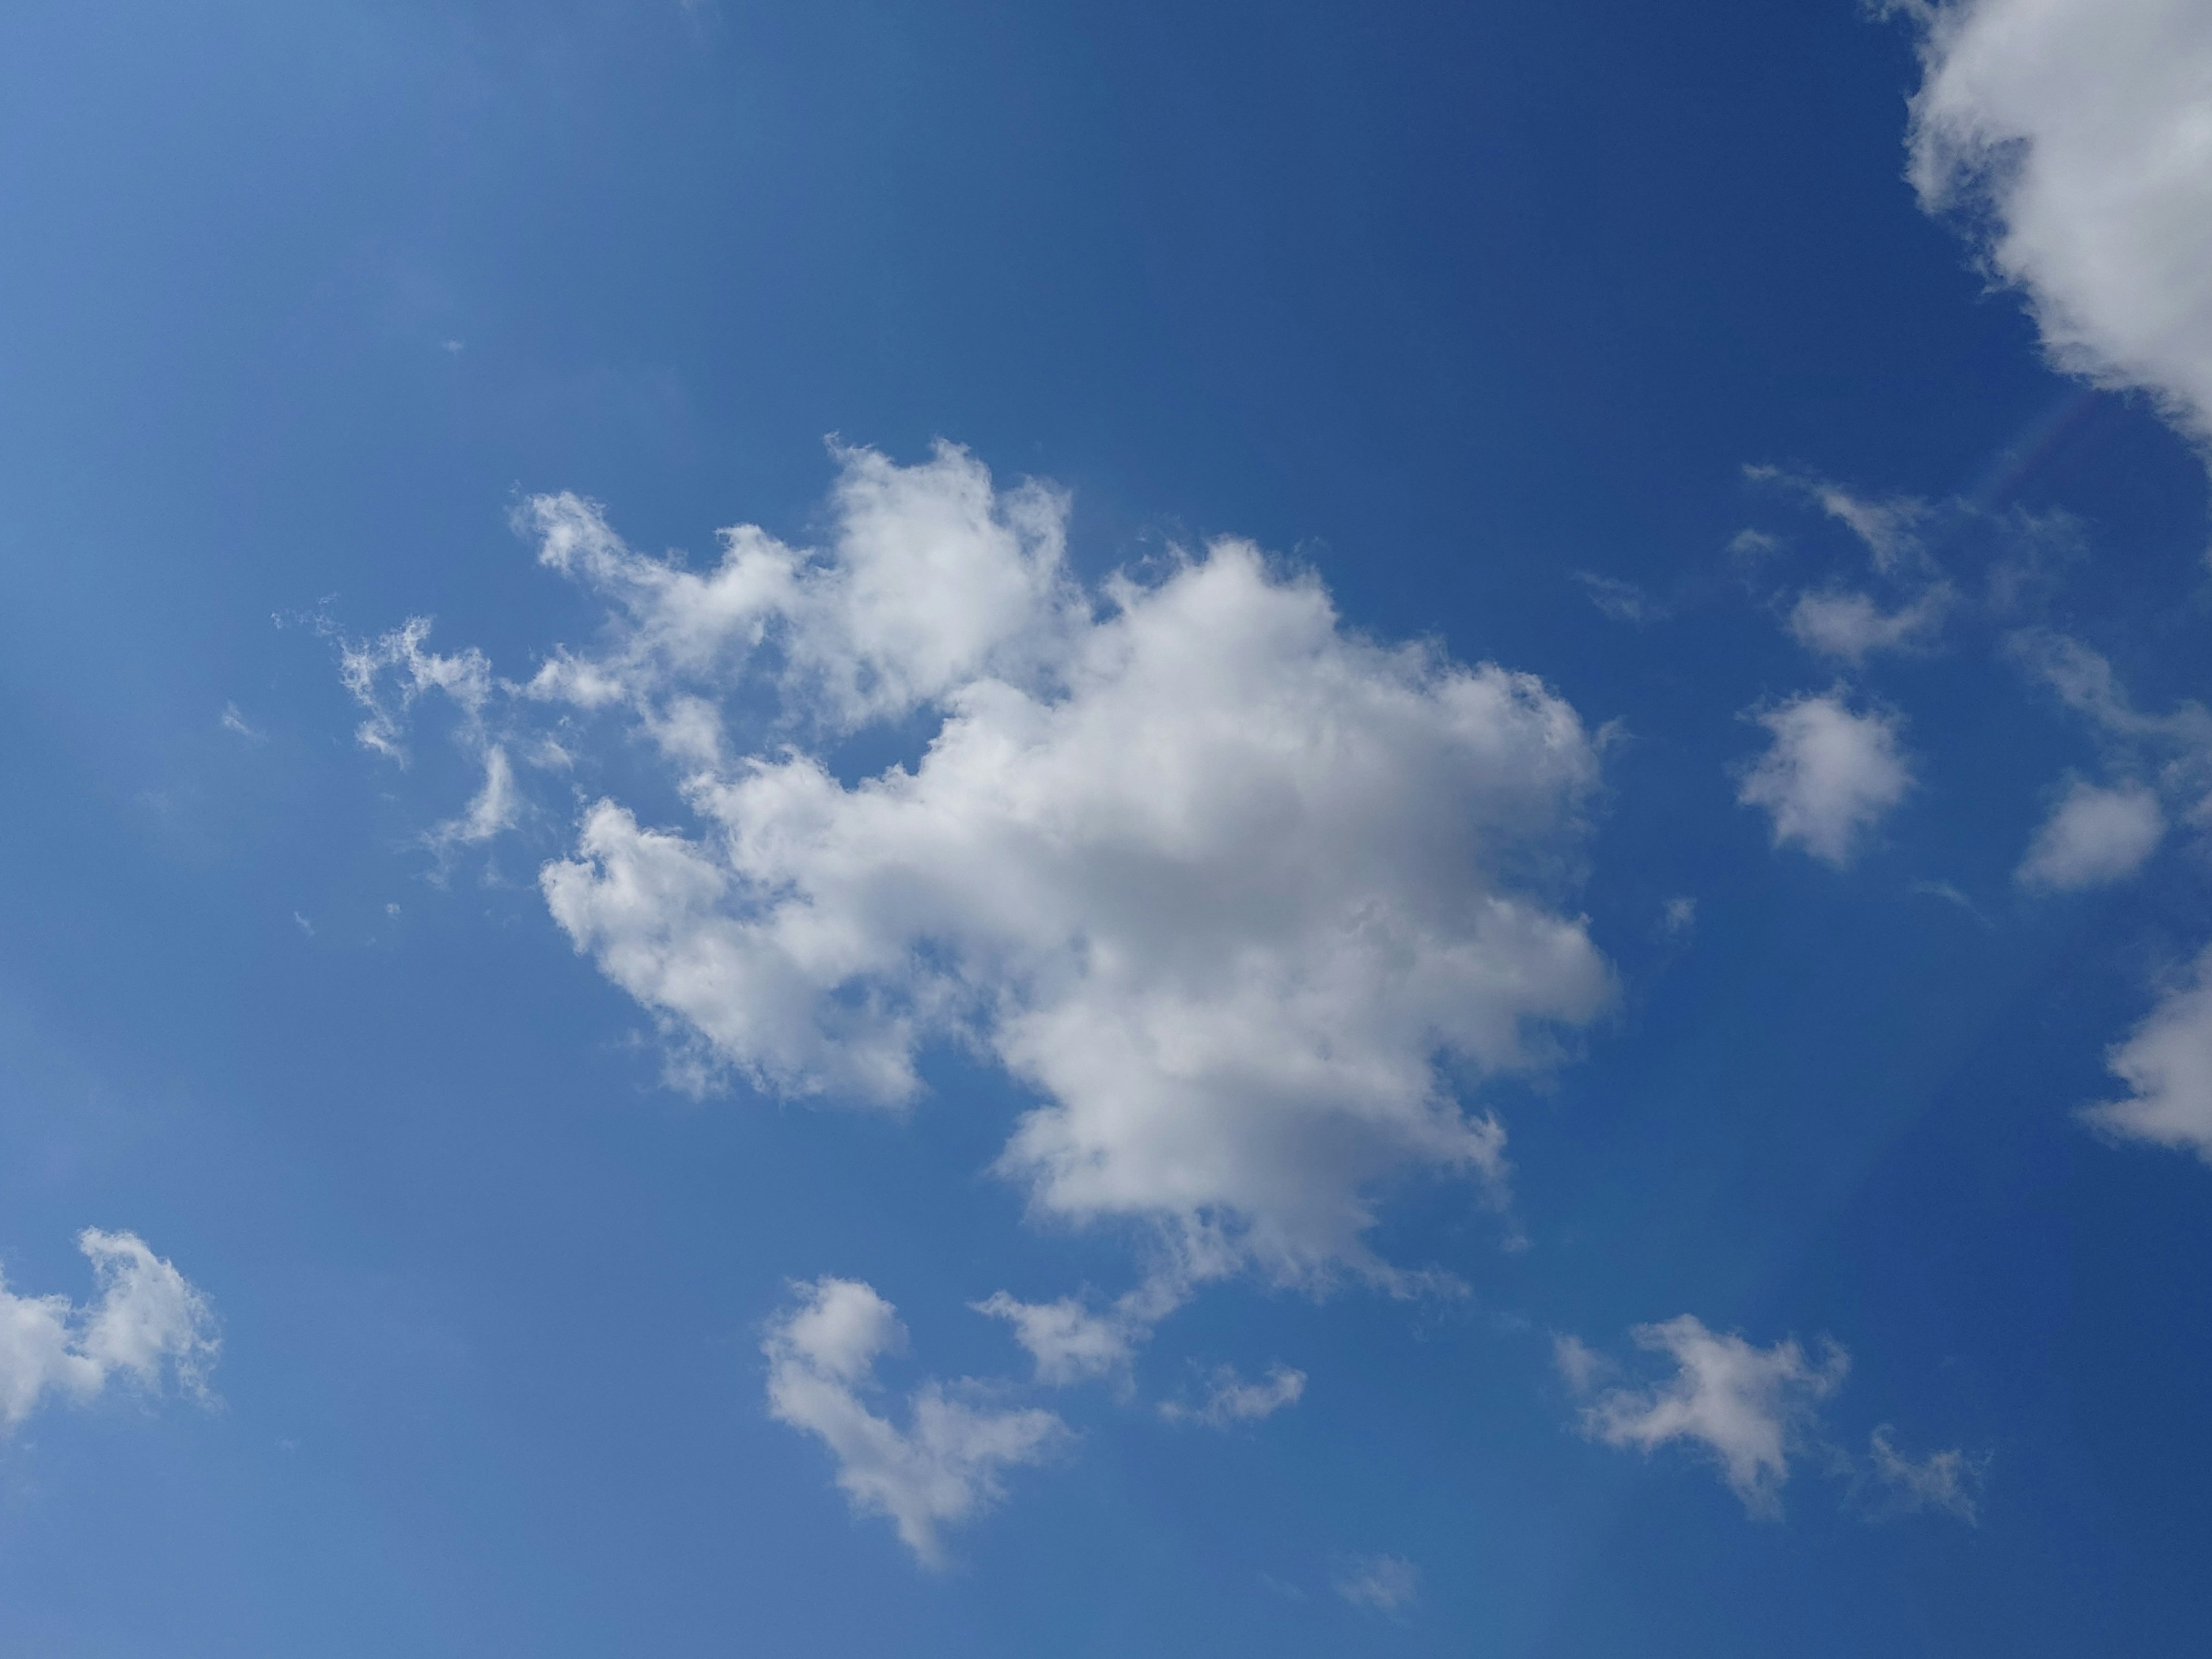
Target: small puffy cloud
1229,1400
1850,627
2093,836
1948,1480
1830,775
1247,901
1067,1341
2167,1063
1744,1407
236,723
944,1467
1386,1583
2073,139
148,1322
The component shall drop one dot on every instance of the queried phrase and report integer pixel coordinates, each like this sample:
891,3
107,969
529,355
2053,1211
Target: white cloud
1743,1406
1069,1343
2093,836
1830,774
148,1320
944,1467
1581,1367
2167,1062
233,721
2076,138
492,811
2096,835
1889,529
1229,1400
1946,1480
1385,1583
1623,601
389,674
1247,899
1851,626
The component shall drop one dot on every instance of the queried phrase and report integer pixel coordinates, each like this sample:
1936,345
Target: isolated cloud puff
2167,1063
2074,136
944,1467
1830,774
1744,1407
1852,626
2093,836
1248,900
1950,1481
1230,1400
1388,1583
147,1322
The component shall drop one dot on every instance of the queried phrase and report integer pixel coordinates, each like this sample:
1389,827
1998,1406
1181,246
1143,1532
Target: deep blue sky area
1453,308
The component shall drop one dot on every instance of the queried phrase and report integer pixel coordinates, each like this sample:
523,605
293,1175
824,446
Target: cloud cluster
944,1467
147,1321
1750,1411
1830,774
1246,900
2074,139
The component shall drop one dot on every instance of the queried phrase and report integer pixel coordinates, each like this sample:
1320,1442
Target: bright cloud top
1242,896
2167,1063
1744,1407
945,1467
2079,133
1830,775
147,1321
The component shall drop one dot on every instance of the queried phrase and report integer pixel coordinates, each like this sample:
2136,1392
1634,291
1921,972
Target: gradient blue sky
1504,325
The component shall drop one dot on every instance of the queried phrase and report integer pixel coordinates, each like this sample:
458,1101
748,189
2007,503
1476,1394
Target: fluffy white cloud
1068,1342
2167,1063
2076,138
148,1320
1246,899
1851,627
1745,1407
2093,836
1946,1480
944,1467
1385,1583
1229,1400
1830,774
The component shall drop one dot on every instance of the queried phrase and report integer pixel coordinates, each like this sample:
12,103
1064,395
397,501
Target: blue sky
1429,876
